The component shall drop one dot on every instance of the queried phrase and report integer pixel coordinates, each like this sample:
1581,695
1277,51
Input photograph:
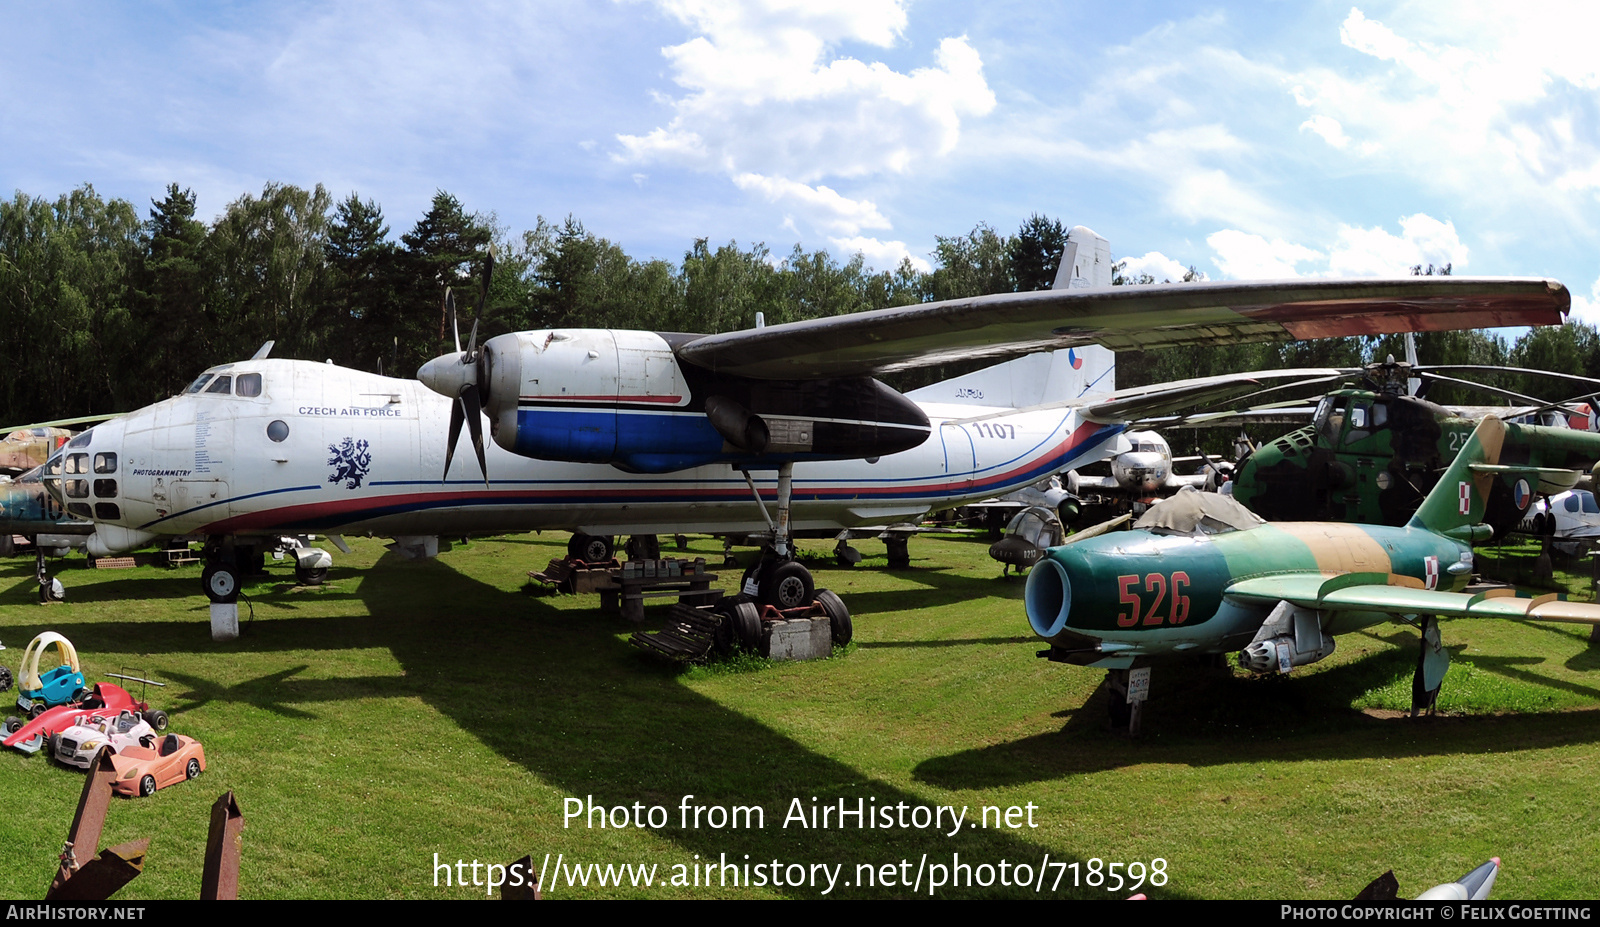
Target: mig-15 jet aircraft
1200,575
620,432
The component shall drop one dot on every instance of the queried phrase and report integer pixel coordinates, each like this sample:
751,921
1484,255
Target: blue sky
1251,140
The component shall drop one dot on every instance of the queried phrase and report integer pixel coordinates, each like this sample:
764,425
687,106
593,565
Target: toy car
78,744
59,686
104,698
142,770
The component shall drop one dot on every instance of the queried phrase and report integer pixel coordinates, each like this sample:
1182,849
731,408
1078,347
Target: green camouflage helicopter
1370,455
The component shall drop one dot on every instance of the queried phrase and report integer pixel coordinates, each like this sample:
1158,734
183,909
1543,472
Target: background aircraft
1140,475
615,432
1200,575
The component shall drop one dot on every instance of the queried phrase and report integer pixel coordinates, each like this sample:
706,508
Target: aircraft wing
1125,318
1403,595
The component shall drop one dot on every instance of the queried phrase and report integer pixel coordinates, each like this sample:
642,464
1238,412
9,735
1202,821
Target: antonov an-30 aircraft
620,432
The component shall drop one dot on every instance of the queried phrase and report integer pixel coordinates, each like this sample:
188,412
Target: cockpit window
222,385
82,440
249,384
105,463
199,382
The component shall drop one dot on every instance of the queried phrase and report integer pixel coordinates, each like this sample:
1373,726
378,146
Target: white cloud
1156,264
880,255
1354,252
771,103
825,206
1329,129
1244,256
766,93
1586,309
1489,101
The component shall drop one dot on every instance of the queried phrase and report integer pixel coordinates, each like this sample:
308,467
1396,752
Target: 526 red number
1158,589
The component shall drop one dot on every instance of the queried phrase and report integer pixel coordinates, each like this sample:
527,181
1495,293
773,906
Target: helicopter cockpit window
221,386
248,384
1380,415
1330,417
1587,500
1358,424
199,382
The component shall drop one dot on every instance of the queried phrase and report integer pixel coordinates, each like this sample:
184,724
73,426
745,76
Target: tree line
105,310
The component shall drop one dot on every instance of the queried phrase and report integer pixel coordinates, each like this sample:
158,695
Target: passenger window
105,463
249,385
221,386
1589,506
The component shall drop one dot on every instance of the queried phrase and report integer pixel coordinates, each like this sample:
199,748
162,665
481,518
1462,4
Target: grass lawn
408,711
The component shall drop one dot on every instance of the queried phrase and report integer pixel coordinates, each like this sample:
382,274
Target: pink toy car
142,770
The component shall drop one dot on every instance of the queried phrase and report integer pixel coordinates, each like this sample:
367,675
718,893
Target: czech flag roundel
1521,494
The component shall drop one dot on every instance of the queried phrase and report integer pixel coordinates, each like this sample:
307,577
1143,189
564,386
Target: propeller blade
472,345
455,435
488,272
469,399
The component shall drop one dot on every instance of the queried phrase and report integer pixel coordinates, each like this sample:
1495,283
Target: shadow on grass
560,693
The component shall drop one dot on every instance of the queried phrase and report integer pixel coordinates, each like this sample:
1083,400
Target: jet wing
1403,595
1124,318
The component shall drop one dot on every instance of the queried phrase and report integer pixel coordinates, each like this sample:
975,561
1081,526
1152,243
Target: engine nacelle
621,397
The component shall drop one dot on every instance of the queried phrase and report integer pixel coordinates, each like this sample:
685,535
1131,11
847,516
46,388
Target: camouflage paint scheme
26,448
27,509
1370,458
1125,599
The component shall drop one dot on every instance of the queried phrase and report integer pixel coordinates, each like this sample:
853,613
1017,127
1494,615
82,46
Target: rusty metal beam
83,837
220,881
100,877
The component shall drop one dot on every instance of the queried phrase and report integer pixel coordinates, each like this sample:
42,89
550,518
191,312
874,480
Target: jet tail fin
1459,501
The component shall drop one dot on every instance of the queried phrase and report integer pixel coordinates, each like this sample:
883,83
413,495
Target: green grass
409,709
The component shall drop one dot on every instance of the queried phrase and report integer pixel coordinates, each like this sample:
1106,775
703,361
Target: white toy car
77,745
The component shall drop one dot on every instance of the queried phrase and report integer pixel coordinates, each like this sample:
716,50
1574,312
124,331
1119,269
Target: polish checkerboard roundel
1465,493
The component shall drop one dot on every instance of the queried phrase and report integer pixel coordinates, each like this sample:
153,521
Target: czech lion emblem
350,462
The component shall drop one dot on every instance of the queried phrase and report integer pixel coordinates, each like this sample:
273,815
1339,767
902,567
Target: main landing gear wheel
838,616
221,581
786,585
740,627
590,548
310,576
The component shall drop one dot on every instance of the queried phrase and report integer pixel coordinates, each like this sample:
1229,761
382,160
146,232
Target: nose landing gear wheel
787,585
221,582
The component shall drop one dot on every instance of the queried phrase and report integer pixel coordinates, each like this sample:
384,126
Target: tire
221,582
191,770
314,576
37,710
740,626
157,719
838,617
590,548
787,585
746,625
147,786
13,724
51,745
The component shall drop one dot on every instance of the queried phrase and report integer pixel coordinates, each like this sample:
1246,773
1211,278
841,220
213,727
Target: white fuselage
317,448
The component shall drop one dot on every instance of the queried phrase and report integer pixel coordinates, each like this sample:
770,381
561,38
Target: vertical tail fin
1459,501
1047,377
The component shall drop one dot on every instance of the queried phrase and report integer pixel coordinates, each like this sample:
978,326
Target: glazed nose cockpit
84,477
